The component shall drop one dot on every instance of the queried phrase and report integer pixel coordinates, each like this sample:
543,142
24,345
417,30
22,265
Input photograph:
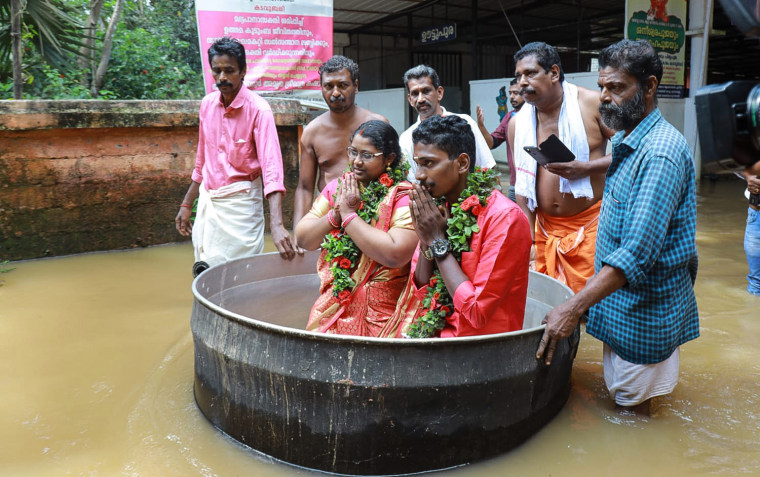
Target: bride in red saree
363,224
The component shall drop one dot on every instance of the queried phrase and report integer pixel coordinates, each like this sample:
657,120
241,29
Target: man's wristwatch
439,248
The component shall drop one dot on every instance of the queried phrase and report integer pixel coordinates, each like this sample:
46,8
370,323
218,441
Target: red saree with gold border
375,296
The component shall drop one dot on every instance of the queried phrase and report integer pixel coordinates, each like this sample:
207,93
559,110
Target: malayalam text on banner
285,41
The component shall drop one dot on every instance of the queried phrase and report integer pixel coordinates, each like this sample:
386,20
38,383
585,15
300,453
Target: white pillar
700,25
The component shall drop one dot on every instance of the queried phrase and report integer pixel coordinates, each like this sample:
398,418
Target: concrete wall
80,176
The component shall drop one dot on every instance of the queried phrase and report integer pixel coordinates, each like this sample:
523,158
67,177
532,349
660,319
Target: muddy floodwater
96,376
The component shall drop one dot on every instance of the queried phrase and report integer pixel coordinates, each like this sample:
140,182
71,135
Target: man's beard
626,115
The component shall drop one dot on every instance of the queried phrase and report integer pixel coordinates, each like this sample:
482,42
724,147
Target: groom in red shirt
488,284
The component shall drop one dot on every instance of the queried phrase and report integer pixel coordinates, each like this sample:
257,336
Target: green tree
48,23
154,54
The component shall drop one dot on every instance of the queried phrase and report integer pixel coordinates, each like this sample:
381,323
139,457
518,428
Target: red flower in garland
344,297
433,281
436,296
469,203
445,309
335,233
476,209
385,180
345,263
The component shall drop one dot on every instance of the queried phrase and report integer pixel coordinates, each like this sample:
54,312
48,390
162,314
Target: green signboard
662,24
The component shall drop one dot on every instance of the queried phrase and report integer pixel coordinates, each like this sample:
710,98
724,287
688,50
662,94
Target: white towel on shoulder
571,133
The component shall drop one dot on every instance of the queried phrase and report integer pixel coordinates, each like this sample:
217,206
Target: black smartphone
551,150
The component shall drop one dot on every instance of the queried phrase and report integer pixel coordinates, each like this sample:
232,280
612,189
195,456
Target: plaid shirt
647,229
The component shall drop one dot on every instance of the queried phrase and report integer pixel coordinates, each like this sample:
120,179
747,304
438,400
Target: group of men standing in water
619,228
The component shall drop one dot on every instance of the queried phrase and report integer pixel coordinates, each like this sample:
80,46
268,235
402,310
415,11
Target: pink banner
283,51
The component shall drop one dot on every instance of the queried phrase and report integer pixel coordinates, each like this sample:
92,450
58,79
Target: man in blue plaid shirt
641,297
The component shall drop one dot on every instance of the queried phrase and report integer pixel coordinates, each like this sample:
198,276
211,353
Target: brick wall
80,176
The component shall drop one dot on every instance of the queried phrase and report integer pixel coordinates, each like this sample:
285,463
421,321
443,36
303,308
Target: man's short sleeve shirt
238,143
647,228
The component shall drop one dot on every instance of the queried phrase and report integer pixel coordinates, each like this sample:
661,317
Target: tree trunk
105,57
85,60
18,82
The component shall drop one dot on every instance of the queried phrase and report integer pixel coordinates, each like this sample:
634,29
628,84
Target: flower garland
438,303
342,253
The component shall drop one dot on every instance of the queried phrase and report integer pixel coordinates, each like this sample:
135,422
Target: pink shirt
499,136
238,143
493,299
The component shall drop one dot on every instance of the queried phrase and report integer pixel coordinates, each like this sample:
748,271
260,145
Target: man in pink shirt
238,157
489,284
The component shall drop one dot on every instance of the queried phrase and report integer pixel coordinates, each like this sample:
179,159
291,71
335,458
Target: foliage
41,80
438,303
4,269
51,26
155,54
142,68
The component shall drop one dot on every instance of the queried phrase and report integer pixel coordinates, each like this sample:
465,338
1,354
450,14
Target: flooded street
96,373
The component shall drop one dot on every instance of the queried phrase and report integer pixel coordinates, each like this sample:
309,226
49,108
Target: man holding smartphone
562,199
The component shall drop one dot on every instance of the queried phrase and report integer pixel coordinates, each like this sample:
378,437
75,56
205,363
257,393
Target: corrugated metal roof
571,25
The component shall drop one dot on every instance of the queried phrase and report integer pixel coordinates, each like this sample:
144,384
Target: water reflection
96,373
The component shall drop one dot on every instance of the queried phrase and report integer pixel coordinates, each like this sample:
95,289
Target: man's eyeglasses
366,156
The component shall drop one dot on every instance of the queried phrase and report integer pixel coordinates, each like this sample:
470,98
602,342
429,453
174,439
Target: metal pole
475,51
578,36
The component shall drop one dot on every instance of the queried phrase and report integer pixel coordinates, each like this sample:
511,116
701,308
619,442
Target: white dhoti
229,222
631,384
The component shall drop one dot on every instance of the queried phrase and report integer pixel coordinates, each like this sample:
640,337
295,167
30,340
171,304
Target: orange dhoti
565,246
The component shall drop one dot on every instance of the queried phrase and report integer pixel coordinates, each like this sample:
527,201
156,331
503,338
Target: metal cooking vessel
364,405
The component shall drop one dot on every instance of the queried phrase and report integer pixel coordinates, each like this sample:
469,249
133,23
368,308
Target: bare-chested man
562,200
325,139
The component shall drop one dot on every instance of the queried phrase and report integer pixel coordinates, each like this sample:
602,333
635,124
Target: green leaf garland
342,253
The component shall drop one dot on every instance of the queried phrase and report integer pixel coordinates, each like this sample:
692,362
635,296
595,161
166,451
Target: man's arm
521,201
562,319
482,127
643,228
578,169
280,236
752,179
307,178
268,151
182,221
503,257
